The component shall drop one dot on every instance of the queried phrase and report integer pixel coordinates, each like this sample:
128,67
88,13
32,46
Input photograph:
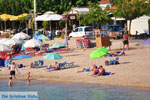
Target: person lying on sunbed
53,67
87,69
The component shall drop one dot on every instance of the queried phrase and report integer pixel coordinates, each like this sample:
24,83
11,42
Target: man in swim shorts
12,70
125,41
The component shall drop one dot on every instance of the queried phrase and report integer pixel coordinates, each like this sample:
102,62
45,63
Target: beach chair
62,65
41,62
69,64
65,64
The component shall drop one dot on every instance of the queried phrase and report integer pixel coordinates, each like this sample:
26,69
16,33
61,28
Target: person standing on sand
125,41
28,78
10,82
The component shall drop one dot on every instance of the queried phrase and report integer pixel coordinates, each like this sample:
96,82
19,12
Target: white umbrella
12,42
33,43
4,47
3,41
21,36
48,16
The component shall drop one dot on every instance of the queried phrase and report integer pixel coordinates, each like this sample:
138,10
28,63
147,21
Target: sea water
76,91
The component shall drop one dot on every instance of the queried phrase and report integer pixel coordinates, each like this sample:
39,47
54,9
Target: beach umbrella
22,15
41,37
11,42
49,16
54,56
66,40
22,46
33,43
4,47
98,53
6,17
3,40
21,36
57,45
21,57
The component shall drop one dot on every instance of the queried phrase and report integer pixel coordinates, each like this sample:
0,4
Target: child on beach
10,82
28,78
31,65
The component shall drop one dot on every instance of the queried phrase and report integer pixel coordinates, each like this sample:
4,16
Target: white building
139,25
104,3
79,10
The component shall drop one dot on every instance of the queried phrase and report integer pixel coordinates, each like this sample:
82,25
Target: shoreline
61,81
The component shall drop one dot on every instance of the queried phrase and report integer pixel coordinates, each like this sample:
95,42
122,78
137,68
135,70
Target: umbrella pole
50,27
5,25
66,34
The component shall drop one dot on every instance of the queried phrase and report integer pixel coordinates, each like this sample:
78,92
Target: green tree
17,7
23,20
60,6
130,9
95,15
62,23
46,24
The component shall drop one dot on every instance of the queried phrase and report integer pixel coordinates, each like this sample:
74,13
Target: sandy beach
133,70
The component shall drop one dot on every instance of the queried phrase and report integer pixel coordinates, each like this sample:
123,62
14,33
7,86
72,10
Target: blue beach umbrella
41,37
22,47
54,56
21,57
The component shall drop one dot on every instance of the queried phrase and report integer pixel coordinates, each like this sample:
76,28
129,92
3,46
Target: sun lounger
38,64
65,64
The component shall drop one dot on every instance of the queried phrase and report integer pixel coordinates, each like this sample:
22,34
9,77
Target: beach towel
108,73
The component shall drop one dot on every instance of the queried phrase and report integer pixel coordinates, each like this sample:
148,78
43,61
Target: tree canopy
130,9
96,15
16,7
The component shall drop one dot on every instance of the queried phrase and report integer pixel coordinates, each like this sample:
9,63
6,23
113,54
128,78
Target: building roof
104,1
112,8
81,10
